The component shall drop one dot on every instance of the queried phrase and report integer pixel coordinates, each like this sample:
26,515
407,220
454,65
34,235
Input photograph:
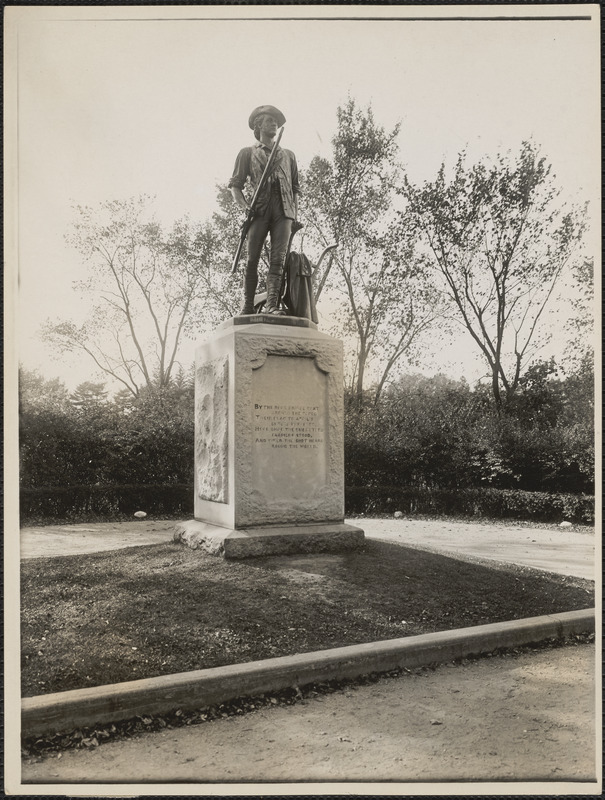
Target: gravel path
67,540
565,551
529,717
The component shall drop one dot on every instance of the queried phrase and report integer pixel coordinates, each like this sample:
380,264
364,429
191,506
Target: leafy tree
578,416
209,248
36,393
147,440
46,425
540,397
89,396
147,285
381,296
418,435
581,328
153,442
124,401
500,239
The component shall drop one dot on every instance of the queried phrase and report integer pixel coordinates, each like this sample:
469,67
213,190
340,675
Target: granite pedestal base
268,541
269,441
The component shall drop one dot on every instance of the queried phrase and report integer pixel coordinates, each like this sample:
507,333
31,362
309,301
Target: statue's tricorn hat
275,112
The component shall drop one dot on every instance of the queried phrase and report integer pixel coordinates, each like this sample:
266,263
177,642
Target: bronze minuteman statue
273,175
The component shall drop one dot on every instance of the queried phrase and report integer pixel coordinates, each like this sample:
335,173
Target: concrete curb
80,708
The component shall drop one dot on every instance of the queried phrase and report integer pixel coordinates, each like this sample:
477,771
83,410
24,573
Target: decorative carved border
250,354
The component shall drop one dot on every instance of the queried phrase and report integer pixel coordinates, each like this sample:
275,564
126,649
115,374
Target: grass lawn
148,611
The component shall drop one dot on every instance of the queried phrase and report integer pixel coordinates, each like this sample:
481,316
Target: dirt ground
528,717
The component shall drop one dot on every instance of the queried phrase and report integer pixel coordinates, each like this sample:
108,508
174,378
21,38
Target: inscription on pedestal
288,427
289,432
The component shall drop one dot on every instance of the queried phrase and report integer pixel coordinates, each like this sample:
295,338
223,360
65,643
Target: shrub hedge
495,503
104,503
111,502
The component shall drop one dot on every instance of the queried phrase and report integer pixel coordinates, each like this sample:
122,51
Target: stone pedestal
269,441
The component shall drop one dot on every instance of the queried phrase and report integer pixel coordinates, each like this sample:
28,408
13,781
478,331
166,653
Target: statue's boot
273,292
250,282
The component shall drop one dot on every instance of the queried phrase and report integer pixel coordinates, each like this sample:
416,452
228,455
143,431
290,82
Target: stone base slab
326,537
269,319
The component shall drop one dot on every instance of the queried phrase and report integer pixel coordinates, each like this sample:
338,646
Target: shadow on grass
146,611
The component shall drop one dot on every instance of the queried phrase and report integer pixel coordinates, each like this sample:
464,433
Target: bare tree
145,285
499,238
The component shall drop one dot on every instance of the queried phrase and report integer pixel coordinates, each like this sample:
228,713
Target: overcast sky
106,103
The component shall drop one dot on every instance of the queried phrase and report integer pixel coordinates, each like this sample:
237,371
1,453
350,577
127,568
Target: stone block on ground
265,541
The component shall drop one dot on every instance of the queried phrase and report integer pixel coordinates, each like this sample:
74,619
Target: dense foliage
71,441
431,445
438,433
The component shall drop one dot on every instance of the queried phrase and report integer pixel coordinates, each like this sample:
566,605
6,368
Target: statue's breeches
273,222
